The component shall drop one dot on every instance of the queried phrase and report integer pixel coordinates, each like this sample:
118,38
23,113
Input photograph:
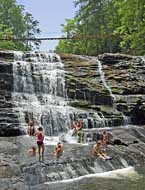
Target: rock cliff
9,123
116,90
110,85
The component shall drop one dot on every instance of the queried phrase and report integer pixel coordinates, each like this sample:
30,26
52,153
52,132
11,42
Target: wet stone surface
18,170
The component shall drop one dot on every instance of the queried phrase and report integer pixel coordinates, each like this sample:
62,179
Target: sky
50,14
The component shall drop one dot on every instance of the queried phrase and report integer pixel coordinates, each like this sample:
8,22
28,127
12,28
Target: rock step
72,166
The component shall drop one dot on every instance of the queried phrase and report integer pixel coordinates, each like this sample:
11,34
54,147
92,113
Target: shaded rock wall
123,74
9,124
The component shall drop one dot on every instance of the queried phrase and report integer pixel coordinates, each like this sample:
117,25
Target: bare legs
41,152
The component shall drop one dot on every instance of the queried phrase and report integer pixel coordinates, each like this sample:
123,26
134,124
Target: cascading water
103,79
126,120
39,94
39,91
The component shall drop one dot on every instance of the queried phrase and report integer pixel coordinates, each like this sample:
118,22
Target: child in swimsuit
32,151
58,150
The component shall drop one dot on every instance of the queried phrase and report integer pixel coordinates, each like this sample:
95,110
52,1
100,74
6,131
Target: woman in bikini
31,129
40,137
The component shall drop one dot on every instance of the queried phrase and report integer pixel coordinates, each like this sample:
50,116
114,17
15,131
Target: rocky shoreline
19,171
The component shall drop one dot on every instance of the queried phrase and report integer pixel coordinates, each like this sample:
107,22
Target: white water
65,137
128,172
39,91
46,102
39,94
126,119
102,75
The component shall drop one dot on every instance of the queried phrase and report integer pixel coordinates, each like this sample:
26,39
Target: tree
6,33
13,16
31,28
118,25
132,27
92,20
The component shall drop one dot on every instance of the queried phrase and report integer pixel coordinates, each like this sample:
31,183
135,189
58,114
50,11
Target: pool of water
129,179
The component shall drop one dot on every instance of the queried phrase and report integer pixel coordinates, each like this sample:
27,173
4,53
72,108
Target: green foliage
21,25
132,27
31,30
6,33
117,25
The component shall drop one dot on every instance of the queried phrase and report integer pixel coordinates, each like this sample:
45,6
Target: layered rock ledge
118,102
18,171
123,74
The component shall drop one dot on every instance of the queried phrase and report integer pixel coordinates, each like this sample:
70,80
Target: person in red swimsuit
40,137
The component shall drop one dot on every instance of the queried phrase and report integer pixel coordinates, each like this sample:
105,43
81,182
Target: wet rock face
9,125
138,113
6,77
125,77
123,74
83,80
115,100
20,171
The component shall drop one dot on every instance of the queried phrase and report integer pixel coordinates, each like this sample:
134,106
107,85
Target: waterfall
39,94
126,120
39,91
102,75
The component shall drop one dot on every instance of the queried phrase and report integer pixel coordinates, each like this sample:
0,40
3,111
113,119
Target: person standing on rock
30,129
79,127
40,137
105,139
73,127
